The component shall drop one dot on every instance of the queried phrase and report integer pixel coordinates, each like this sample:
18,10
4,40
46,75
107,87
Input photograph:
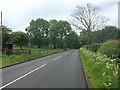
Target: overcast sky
17,14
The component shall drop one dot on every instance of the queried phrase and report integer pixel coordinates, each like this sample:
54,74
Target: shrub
111,48
93,47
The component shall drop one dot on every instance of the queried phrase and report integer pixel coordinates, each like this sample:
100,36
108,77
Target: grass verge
35,53
102,72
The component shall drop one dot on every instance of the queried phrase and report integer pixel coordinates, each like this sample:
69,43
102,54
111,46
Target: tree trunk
54,45
38,46
89,36
20,46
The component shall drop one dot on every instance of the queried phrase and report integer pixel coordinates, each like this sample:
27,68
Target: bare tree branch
88,18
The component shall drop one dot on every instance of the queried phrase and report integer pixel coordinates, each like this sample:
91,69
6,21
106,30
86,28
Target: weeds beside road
101,70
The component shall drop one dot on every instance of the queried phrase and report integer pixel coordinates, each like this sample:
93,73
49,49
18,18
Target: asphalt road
61,70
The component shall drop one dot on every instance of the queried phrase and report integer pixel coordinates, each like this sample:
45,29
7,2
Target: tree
38,31
58,31
88,18
72,40
6,36
20,39
107,33
53,34
64,28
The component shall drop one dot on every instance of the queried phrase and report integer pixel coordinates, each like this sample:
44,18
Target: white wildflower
104,73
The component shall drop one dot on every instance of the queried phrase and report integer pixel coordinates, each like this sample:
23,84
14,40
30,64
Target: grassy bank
102,71
35,53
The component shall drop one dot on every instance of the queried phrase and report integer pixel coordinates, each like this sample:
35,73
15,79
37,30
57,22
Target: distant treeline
55,34
107,33
43,34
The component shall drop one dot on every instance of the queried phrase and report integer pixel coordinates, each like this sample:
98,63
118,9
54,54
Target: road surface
61,70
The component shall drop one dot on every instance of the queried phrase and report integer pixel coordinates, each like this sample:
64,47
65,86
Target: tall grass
102,71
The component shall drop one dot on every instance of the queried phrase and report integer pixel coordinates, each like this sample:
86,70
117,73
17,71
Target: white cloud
18,13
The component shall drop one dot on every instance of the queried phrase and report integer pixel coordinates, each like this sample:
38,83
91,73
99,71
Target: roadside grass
35,53
0,57
102,72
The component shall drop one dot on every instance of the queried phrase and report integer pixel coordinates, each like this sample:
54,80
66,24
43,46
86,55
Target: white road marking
22,76
57,57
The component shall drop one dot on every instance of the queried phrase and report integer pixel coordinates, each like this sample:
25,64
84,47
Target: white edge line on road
22,76
57,57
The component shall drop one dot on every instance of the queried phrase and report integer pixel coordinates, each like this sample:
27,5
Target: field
7,60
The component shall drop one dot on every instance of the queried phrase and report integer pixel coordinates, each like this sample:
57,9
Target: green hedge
93,47
111,48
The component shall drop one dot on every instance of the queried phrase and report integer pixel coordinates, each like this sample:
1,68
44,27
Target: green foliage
101,70
60,43
111,48
20,39
72,40
54,25
107,33
6,36
58,32
44,33
93,47
83,39
38,32
64,28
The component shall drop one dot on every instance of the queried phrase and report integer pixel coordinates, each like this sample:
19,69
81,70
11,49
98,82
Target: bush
93,47
111,48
